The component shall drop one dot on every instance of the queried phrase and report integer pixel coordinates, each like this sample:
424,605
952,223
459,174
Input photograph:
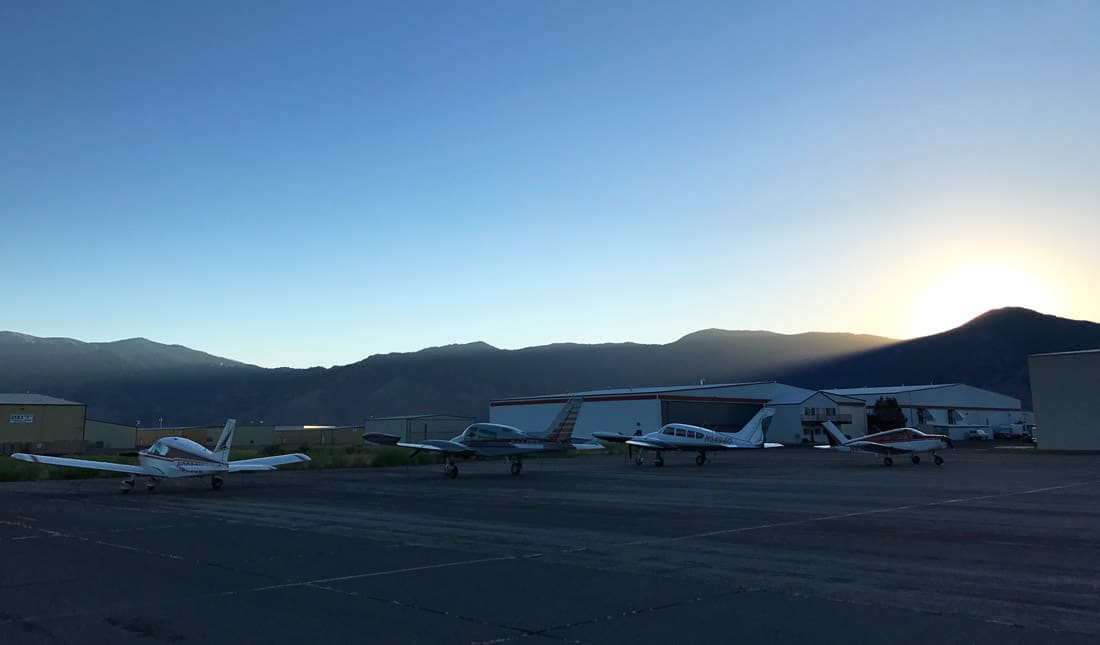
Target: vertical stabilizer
835,436
561,430
225,441
754,430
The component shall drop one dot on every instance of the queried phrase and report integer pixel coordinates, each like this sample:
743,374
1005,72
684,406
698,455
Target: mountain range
134,379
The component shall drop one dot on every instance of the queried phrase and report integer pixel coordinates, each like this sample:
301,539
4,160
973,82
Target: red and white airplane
173,457
900,441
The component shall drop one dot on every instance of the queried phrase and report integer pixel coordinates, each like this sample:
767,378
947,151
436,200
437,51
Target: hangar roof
635,390
1080,351
885,389
16,398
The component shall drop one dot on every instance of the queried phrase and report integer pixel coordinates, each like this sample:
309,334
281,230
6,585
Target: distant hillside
989,352
140,379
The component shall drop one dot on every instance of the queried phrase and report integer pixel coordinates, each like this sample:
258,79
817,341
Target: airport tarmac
787,545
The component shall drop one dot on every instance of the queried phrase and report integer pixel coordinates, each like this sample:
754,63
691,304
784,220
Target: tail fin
835,436
561,430
221,449
754,430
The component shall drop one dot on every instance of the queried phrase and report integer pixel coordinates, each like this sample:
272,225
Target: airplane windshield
159,448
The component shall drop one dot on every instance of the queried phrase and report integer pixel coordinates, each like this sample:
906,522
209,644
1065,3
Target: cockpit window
159,448
669,431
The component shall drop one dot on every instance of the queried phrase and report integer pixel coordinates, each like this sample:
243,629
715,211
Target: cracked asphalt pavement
755,547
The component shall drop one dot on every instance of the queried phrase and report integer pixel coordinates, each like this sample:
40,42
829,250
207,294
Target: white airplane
900,441
681,436
486,440
173,457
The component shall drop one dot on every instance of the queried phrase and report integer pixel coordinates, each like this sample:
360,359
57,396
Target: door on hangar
722,416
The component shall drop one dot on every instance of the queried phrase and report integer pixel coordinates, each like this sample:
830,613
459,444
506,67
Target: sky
309,183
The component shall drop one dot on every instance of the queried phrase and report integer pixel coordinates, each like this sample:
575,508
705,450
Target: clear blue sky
308,183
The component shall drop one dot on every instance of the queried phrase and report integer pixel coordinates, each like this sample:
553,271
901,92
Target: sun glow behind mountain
954,298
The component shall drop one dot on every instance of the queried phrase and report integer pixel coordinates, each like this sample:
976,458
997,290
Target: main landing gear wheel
916,459
638,461
127,485
887,462
517,466
450,470
700,460
216,483
151,485
938,459
659,461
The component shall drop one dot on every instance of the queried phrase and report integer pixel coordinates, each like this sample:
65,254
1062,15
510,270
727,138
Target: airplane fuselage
179,457
496,440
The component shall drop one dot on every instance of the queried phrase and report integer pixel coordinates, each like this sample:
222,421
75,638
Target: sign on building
21,418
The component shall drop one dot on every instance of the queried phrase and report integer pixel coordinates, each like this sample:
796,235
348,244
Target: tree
886,415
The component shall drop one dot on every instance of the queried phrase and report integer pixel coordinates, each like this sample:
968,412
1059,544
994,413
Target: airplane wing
440,445
83,463
651,444
266,463
878,448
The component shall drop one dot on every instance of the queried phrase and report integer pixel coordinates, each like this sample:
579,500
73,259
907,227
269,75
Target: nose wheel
938,459
701,459
658,461
151,485
216,483
638,461
916,459
450,470
517,465
886,461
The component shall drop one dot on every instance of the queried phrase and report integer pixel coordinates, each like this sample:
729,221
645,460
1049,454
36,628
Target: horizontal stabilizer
82,463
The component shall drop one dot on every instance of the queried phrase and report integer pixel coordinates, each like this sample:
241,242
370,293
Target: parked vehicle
977,434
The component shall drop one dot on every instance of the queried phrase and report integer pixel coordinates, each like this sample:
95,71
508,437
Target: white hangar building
724,407
953,409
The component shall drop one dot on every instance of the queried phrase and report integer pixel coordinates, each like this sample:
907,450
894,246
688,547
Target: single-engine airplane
681,436
486,440
173,457
900,441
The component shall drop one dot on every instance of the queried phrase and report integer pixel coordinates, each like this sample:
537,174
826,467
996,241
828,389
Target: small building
42,424
954,409
1063,386
420,427
724,407
318,435
105,435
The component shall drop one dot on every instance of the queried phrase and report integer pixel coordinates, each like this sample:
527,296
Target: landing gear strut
938,459
916,459
701,459
517,464
127,485
886,461
216,482
449,468
658,461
